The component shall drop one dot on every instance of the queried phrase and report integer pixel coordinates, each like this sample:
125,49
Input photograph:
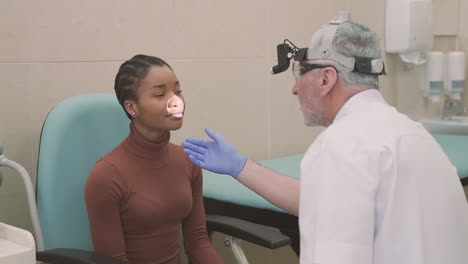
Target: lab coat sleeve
103,195
338,187
197,244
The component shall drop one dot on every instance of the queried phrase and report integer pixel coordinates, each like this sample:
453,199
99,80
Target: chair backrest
76,133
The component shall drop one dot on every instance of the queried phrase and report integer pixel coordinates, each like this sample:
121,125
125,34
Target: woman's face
160,104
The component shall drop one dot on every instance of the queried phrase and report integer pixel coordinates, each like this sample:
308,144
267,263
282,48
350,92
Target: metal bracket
234,244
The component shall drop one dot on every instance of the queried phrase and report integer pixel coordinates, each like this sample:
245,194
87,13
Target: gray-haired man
375,187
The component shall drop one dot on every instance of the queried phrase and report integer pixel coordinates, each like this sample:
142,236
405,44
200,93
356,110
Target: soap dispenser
455,84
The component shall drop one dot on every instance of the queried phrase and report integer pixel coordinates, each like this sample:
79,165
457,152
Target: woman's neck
148,134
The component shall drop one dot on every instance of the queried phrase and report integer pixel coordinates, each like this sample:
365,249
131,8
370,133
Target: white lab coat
377,188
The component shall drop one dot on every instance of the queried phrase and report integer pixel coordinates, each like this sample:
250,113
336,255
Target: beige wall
221,51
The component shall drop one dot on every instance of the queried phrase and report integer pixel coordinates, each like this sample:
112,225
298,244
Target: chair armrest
247,231
74,256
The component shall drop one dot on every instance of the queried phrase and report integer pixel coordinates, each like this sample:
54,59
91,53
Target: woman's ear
131,108
329,79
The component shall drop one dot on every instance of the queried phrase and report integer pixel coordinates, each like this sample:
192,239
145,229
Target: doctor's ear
329,79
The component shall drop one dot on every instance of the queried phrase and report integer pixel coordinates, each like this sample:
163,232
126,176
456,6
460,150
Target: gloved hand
218,156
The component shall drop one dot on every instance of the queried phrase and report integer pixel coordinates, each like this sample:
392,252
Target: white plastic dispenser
455,84
434,76
408,28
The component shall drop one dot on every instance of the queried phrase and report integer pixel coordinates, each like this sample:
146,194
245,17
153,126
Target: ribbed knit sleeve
103,195
197,244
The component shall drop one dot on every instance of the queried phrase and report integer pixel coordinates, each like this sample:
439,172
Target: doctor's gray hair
352,39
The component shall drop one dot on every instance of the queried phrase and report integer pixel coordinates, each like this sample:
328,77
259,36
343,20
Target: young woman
144,191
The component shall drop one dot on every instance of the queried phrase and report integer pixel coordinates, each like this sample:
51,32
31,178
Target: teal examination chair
76,133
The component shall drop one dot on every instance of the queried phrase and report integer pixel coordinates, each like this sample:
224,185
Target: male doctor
375,187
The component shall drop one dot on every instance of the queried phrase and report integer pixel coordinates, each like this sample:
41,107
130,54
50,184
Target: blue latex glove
218,156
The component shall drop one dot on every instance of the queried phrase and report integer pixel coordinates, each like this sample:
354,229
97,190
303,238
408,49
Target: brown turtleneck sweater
139,195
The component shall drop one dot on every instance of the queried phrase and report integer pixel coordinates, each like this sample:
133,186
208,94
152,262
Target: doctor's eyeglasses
301,68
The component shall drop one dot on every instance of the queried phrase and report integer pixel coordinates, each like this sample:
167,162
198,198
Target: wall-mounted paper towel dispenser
409,28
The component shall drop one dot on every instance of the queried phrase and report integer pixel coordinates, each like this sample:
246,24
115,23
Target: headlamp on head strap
325,51
287,51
